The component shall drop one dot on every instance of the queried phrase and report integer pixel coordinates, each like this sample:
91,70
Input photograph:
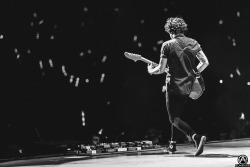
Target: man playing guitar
178,55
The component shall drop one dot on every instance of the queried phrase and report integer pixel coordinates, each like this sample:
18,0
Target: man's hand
150,68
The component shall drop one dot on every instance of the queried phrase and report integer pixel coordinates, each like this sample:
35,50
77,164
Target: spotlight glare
81,54
41,64
37,35
51,63
64,71
34,15
238,13
40,22
104,58
102,78
77,82
71,78
238,71
29,51
160,42
85,9
220,22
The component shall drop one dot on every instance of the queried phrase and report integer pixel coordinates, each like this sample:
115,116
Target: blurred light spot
55,26
28,51
221,81
234,43
85,9
229,37
41,64
71,78
139,44
135,38
37,36
142,21
64,71
108,103
231,75
104,58
102,78
15,50
220,22
155,48
87,80
165,9
50,63
89,51
238,13
31,24
160,42
100,131
1,36
238,71
77,82
18,56
52,37
242,116
41,22
34,15
82,24
81,54
83,119
116,9
248,83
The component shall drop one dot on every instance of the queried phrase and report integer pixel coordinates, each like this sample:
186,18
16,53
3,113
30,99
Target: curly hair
175,25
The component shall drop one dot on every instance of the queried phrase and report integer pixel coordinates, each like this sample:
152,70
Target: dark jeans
175,105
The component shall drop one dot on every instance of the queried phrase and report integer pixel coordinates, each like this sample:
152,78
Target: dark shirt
180,69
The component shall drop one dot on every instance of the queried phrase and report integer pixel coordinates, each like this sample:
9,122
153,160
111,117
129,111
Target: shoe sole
201,146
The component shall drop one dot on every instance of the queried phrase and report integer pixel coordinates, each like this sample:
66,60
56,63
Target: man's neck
178,35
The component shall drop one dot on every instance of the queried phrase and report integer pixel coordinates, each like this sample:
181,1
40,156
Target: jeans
175,105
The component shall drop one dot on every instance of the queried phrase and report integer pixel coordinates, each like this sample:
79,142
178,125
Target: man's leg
175,105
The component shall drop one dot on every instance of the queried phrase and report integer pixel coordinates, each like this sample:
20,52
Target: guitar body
198,88
198,85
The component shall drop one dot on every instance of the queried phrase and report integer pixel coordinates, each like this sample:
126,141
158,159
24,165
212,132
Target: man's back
181,52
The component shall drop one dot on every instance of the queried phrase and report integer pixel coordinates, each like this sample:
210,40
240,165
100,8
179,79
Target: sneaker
171,147
199,142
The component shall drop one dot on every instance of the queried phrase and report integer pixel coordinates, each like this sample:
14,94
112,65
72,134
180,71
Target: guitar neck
155,64
136,57
148,61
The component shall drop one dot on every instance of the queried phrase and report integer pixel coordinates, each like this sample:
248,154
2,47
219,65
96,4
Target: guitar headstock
132,56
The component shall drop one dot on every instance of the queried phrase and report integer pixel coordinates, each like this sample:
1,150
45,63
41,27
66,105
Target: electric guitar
137,57
198,85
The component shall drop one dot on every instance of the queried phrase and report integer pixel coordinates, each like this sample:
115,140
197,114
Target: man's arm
203,61
158,69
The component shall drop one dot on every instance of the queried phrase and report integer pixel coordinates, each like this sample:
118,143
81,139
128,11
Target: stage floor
221,154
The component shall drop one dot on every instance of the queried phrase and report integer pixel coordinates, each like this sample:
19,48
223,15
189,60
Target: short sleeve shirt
179,67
